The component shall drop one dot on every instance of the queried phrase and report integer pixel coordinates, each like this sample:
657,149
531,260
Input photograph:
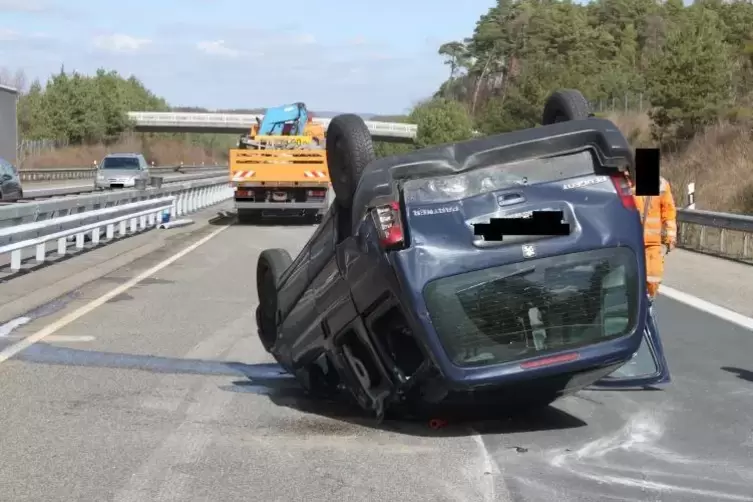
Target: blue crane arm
275,118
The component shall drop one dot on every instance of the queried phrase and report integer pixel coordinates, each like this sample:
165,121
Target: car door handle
510,199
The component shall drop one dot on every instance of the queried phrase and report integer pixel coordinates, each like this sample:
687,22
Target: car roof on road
122,155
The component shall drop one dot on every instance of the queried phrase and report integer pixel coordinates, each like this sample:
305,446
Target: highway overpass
236,123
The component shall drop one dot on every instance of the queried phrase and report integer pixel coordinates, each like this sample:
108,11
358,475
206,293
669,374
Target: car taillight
623,190
547,361
316,193
389,225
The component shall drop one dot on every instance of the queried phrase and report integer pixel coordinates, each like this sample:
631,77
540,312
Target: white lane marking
50,329
69,338
490,468
708,307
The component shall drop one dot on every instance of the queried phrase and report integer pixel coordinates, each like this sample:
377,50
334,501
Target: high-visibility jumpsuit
659,216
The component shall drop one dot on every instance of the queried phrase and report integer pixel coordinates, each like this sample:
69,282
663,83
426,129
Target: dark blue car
506,269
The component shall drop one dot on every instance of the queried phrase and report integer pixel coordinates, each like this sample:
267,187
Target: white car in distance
121,170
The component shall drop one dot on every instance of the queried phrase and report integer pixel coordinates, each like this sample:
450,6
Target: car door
6,189
11,186
330,289
16,180
648,365
300,331
144,168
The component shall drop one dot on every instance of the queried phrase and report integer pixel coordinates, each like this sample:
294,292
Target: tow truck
280,167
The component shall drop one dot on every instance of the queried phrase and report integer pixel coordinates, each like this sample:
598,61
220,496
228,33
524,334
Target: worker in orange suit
659,217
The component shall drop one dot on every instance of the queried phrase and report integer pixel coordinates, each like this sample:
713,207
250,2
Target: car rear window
120,163
522,310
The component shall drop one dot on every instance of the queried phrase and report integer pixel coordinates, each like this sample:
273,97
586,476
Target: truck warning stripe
314,174
242,175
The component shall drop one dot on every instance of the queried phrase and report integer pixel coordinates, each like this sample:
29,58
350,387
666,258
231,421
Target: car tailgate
446,211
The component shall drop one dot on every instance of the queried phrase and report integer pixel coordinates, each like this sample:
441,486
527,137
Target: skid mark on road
7,328
661,470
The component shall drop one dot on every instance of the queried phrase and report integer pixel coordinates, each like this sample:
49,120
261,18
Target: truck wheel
349,151
567,104
270,267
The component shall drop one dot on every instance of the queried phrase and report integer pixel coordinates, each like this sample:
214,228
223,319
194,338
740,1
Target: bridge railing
237,120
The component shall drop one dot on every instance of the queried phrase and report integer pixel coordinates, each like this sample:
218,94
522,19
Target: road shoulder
30,291
725,283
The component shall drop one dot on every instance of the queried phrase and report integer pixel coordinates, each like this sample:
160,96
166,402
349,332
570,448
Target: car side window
6,168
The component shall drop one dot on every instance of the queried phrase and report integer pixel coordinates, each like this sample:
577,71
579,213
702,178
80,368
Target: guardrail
18,214
720,234
34,226
82,173
38,193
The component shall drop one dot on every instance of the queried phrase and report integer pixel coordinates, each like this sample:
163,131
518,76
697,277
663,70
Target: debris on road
175,224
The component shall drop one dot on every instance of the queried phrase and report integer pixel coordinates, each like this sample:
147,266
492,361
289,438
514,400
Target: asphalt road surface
163,393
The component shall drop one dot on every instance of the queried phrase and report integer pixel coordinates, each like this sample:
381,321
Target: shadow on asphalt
282,389
742,374
472,422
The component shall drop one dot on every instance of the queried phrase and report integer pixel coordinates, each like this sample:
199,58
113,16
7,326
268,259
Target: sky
348,56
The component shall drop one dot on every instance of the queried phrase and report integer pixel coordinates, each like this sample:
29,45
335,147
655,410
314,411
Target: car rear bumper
114,184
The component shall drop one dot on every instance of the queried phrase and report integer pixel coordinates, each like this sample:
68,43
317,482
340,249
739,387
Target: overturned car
506,269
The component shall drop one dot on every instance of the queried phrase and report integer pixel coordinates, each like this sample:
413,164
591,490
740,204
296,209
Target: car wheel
349,150
270,267
564,105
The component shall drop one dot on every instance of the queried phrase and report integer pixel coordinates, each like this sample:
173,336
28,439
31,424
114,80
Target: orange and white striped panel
242,175
315,174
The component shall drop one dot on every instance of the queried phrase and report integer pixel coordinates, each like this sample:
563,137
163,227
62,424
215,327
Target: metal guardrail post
691,196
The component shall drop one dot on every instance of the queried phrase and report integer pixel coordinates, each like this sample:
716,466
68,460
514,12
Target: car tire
564,105
349,150
270,267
